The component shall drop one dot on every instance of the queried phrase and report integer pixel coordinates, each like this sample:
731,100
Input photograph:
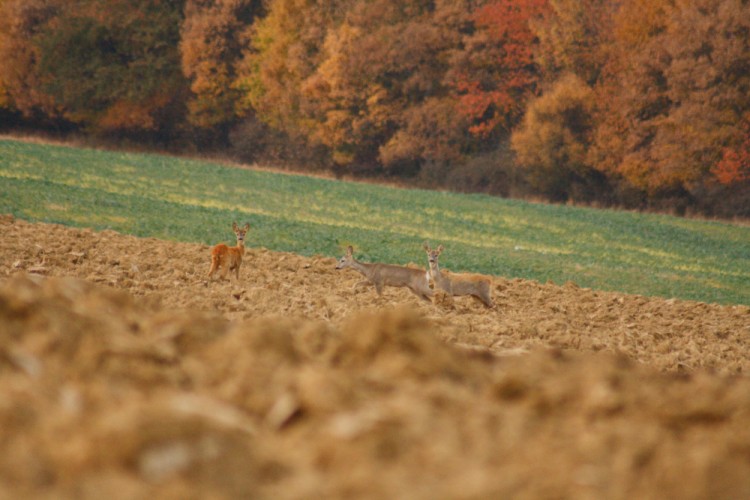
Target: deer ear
247,226
349,250
234,225
439,249
426,246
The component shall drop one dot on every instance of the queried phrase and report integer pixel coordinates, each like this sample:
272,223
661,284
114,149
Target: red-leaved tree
734,166
496,74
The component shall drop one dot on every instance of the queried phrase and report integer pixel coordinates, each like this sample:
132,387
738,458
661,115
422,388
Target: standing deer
381,275
229,258
476,285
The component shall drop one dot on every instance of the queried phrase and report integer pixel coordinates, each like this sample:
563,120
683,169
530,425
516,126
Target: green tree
108,65
114,65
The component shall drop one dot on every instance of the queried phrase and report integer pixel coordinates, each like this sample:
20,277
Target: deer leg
419,293
483,299
214,267
362,283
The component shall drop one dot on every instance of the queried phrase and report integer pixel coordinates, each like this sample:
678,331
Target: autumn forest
639,104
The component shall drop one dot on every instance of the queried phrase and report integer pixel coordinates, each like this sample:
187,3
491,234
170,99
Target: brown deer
476,285
229,258
381,275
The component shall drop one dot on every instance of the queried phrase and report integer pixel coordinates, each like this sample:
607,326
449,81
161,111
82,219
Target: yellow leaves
638,21
555,127
337,130
341,157
210,36
401,146
636,171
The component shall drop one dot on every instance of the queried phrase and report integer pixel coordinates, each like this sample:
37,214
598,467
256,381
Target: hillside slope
125,373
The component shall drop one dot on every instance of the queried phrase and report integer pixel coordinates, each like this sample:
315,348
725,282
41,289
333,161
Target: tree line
633,103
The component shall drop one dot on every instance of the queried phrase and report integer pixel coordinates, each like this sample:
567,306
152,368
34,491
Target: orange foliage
672,94
285,51
366,81
574,37
125,114
734,166
211,43
20,20
639,21
507,21
498,73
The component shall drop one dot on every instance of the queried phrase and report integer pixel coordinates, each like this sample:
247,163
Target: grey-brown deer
229,258
476,285
381,275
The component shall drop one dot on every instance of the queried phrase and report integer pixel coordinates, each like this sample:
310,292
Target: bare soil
125,373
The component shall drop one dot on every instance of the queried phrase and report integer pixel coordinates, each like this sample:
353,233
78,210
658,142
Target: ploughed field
125,373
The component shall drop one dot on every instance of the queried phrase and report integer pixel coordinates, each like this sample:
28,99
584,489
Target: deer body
380,275
229,258
476,285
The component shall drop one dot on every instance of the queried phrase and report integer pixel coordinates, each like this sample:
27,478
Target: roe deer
381,275
229,258
476,285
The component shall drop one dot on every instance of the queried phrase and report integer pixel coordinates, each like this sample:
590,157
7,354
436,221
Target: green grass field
196,201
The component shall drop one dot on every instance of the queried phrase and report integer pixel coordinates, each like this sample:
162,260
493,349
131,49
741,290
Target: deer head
347,260
432,255
240,233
